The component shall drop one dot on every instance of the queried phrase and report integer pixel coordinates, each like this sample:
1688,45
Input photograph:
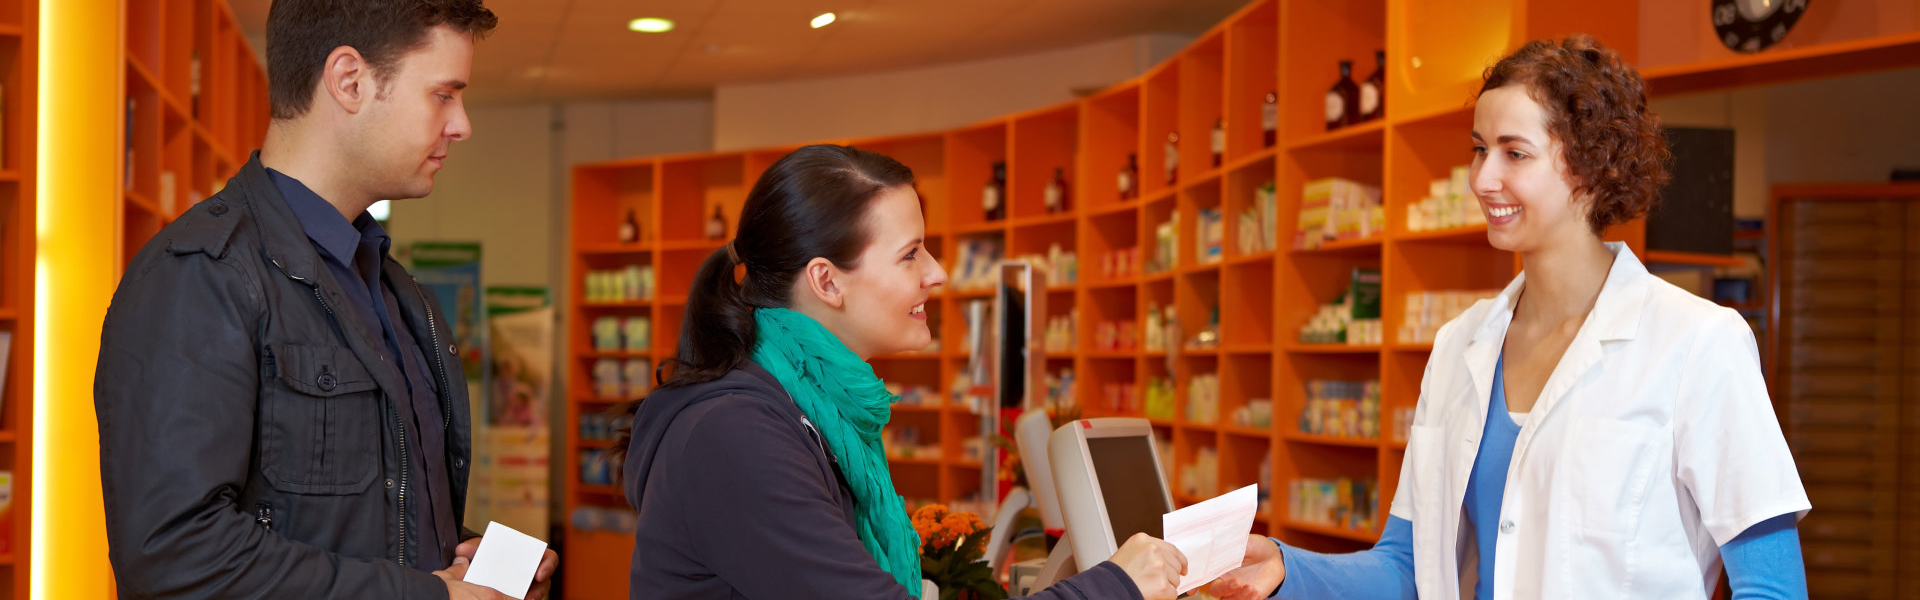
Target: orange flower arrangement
951,548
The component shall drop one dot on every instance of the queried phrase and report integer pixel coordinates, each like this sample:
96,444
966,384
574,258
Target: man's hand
542,577
461,590
1260,573
1154,565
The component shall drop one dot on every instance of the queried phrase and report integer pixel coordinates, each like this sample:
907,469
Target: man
282,412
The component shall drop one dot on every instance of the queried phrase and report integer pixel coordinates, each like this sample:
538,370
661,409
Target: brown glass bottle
1270,120
1373,91
1130,178
993,199
1056,197
1219,140
1343,100
1172,157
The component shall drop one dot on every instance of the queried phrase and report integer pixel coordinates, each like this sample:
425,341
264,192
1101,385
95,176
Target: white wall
1850,129
927,98
507,186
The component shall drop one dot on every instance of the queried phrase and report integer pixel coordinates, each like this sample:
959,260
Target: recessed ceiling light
823,20
650,25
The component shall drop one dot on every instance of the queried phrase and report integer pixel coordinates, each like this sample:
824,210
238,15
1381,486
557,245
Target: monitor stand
1060,565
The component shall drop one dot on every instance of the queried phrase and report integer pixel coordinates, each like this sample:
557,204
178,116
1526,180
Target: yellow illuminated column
74,275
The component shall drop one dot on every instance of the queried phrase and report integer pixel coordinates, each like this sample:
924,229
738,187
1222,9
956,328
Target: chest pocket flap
321,431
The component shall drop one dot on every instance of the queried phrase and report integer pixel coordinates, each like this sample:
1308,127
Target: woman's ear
820,277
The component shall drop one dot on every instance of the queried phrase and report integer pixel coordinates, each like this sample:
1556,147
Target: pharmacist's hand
1260,573
1154,565
542,576
461,590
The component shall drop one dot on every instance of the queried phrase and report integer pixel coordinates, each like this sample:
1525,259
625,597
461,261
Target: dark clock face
1753,25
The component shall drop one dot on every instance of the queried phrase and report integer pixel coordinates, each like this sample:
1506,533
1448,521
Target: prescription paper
1212,534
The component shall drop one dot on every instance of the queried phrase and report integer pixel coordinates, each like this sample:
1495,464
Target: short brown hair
1597,108
301,33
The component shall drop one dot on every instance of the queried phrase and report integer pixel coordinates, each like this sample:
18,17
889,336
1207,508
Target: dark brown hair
1597,108
811,203
301,33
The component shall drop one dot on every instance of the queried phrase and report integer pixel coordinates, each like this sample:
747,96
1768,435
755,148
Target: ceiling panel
554,50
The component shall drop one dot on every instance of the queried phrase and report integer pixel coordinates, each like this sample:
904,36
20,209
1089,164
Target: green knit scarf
849,405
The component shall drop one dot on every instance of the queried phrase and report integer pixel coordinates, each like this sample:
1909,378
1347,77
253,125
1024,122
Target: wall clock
1753,25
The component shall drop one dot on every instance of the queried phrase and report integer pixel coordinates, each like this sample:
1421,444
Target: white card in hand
1212,534
506,560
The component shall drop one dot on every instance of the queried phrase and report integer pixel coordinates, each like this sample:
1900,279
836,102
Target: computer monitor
1106,473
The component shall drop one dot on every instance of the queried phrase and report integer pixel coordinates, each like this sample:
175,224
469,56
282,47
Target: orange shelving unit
1435,54
196,101
19,124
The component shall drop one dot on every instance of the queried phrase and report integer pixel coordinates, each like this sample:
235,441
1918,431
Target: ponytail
811,203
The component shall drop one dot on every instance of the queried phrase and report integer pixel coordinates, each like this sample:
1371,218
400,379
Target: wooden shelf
980,228
1328,440
1692,259
1470,234
1330,531
1258,258
1785,65
1231,349
619,304
707,245
1044,220
1248,432
1343,247
1299,348
615,249
1365,136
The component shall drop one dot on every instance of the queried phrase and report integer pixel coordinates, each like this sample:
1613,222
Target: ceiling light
650,25
823,20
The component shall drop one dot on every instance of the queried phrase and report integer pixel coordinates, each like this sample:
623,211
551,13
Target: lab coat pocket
1611,465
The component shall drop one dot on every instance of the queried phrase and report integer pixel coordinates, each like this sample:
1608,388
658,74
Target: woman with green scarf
756,468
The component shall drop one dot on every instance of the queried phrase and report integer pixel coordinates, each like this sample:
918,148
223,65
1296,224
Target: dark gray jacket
738,499
246,451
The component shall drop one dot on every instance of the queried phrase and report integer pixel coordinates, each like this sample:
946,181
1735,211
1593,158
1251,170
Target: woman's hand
1154,565
1260,573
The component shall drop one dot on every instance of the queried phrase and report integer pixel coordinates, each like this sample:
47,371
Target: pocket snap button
326,381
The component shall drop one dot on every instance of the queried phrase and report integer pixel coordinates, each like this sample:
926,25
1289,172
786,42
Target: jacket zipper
399,427
263,514
439,362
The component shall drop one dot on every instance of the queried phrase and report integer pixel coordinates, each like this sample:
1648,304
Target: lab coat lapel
1615,318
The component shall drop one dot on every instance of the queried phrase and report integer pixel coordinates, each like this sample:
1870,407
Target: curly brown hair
1597,108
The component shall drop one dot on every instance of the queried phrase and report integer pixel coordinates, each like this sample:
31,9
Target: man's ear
820,278
347,78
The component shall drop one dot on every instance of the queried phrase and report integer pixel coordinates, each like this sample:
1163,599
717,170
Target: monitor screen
1129,484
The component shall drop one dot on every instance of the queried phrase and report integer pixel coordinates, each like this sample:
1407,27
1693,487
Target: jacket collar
1615,315
281,236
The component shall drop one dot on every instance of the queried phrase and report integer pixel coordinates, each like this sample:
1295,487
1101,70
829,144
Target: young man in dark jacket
282,412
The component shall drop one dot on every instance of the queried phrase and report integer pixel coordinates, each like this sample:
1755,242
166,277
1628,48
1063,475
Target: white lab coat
1652,443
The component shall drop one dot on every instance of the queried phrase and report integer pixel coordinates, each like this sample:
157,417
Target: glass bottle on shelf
1130,178
193,83
1373,91
1057,192
1219,140
993,198
1270,120
1343,98
1173,157
717,224
629,229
